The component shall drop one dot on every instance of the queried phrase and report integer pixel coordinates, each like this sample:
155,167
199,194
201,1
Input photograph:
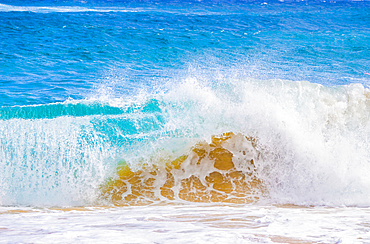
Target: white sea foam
187,223
63,9
313,140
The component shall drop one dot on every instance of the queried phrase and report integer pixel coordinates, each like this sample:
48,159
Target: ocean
184,121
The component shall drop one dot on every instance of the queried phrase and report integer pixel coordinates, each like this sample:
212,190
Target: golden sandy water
206,174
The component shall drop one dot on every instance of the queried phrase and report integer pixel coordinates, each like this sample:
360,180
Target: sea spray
312,140
220,171
51,161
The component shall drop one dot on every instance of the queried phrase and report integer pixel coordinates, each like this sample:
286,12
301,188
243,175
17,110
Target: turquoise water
85,85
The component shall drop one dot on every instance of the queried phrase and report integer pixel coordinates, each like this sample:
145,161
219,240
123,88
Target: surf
304,144
206,174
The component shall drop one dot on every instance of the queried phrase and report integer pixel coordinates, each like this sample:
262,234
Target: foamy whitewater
186,122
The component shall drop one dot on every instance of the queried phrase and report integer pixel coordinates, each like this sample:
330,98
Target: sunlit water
179,122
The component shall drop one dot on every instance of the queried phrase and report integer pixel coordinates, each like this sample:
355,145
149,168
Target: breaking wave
291,142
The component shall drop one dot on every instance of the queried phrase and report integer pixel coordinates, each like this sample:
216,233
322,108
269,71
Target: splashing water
312,142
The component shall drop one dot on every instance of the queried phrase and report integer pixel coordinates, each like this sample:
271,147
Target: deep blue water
59,49
87,84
